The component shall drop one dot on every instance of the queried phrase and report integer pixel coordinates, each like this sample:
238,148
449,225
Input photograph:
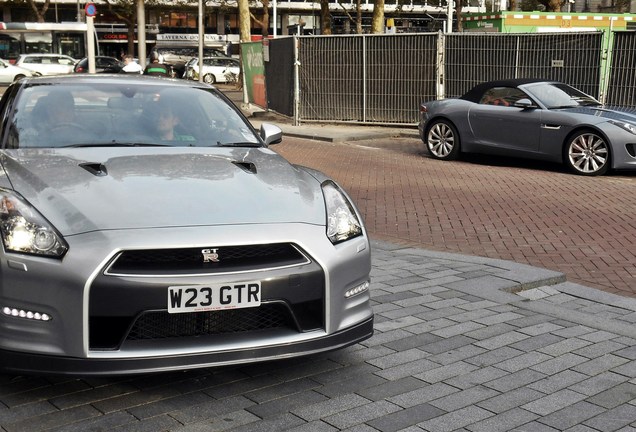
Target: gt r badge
210,255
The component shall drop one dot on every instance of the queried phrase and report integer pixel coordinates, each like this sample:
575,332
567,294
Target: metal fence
382,79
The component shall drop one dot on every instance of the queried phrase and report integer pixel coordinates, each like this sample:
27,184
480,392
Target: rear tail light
423,109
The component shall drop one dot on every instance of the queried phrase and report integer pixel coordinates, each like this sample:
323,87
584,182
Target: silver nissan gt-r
146,226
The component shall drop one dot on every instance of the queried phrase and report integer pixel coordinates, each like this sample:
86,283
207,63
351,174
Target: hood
81,190
606,113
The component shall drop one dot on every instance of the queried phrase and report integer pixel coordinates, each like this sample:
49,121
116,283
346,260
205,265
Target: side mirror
524,103
271,134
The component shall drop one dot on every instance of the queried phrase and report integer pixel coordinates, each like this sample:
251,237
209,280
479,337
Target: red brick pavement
527,212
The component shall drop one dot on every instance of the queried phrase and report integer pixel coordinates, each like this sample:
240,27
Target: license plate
199,298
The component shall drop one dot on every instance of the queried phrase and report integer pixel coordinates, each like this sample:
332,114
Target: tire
442,140
587,153
209,79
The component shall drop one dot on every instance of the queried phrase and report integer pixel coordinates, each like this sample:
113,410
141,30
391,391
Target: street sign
90,9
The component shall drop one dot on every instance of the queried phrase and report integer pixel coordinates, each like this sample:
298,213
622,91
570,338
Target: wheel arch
586,128
457,146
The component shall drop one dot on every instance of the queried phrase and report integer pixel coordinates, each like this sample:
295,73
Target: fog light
21,313
357,290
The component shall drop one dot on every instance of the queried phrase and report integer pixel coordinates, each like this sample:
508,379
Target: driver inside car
55,109
54,119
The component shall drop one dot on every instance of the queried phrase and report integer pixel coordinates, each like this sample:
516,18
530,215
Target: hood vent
246,166
95,168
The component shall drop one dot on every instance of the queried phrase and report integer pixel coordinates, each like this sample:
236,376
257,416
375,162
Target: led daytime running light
357,290
21,313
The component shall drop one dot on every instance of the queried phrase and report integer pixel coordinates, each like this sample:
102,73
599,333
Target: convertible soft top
475,94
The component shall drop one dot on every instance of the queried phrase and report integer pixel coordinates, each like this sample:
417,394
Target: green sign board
254,71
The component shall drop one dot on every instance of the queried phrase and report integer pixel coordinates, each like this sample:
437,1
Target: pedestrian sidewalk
317,131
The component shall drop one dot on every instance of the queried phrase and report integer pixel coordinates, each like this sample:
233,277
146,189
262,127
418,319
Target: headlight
623,125
342,221
24,230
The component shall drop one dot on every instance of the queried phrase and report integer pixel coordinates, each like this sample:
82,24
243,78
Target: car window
502,96
558,95
114,115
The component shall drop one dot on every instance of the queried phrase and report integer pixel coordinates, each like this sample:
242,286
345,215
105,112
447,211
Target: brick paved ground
457,346
454,350
529,212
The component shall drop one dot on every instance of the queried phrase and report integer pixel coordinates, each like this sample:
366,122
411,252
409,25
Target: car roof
44,55
125,79
475,94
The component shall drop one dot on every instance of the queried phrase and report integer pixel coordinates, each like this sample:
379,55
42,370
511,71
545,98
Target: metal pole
90,43
141,33
296,84
364,78
201,35
275,19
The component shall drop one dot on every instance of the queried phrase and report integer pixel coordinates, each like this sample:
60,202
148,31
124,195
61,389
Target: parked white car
10,73
47,64
215,69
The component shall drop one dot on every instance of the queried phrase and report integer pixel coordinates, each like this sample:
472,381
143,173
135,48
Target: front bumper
81,290
25,363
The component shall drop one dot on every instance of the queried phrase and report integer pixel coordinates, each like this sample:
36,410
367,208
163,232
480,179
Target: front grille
161,325
191,260
153,325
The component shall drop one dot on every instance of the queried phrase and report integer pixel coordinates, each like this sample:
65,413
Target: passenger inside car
165,122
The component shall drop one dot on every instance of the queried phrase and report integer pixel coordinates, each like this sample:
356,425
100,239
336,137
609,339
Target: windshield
556,95
116,114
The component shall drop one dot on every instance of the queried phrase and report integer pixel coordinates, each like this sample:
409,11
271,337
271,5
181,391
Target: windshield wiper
116,144
238,144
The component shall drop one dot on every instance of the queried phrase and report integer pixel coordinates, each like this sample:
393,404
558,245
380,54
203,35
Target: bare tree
325,18
40,13
358,19
126,11
459,4
264,21
244,20
377,24
552,5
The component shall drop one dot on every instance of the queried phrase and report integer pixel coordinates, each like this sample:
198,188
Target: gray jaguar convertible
534,119
146,226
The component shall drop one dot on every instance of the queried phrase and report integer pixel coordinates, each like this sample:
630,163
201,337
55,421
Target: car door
63,65
6,73
502,128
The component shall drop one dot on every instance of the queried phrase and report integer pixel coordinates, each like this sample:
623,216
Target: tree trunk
377,25
325,18
244,21
131,39
40,13
265,21
458,15
359,16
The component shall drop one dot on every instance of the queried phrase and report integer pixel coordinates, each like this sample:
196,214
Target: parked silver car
148,227
10,73
215,70
47,64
